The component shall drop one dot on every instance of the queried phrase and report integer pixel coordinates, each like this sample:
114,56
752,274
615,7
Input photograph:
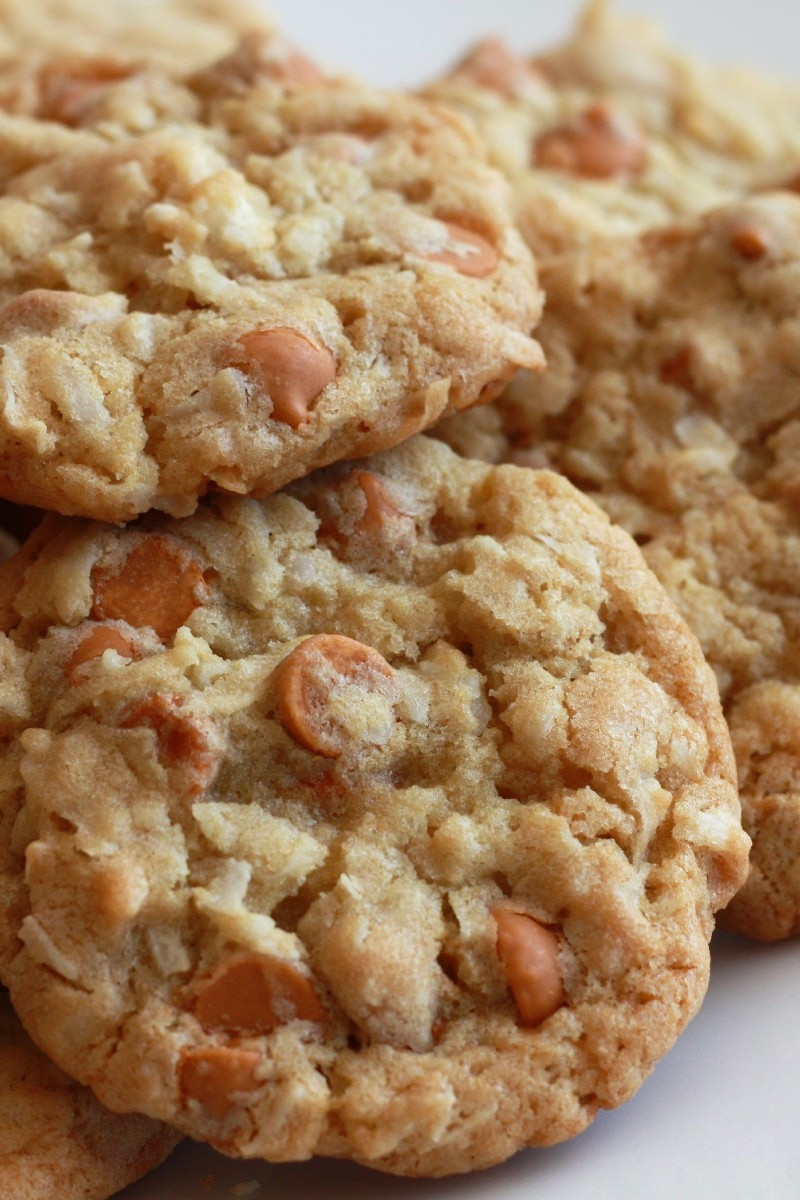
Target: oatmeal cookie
114,93
176,35
383,818
616,131
293,275
55,1138
672,400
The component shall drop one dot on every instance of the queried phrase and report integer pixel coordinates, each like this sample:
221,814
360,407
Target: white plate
718,1119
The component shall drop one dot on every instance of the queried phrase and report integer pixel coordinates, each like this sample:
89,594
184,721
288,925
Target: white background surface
719,1118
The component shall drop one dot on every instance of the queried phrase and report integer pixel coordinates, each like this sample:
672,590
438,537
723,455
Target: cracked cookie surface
672,400
616,131
269,277
55,1138
383,818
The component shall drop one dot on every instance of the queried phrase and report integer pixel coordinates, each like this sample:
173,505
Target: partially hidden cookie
672,400
279,276
381,819
55,1138
119,66
68,101
617,131
176,35
115,91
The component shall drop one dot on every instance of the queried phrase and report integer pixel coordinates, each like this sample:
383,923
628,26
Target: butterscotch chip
292,368
381,513
312,684
56,1139
529,954
222,281
597,144
467,251
493,64
672,400
158,585
616,131
448,886
215,1076
189,744
749,242
252,994
95,642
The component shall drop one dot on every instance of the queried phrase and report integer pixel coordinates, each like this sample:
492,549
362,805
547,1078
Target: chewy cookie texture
616,131
55,1137
274,272
383,818
671,398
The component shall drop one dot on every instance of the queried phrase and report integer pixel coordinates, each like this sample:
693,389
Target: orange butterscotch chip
258,59
254,994
363,515
492,64
69,86
184,740
529,954
294,69
598,144
307,677
159,585
93,644
749,242
380,510
215,1075
471,254
291,368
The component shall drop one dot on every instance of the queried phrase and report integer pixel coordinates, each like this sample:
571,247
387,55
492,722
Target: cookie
380,819
617,131
115,91
70,62
297,275
176,35
55,1138
671,399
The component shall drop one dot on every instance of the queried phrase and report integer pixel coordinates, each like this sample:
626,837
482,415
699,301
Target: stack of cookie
364,795
673,351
